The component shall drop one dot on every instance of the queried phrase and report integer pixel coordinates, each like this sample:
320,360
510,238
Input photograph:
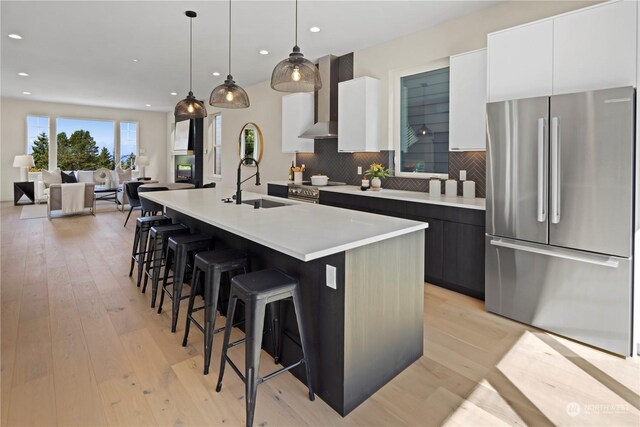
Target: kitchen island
365,321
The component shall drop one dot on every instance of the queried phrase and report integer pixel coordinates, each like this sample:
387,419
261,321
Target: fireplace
184,173
184,169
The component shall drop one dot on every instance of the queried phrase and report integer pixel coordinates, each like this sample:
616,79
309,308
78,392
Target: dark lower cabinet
463,261
454,241
278,190
433,250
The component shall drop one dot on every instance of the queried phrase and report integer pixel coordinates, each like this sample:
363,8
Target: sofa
42,191
55,198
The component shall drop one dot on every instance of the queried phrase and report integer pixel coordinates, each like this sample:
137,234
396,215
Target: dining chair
132,194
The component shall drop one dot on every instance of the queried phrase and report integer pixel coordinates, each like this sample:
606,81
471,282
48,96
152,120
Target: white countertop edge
310,256
411,196
298,255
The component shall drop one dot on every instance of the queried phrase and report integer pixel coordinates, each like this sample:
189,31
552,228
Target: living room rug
34,211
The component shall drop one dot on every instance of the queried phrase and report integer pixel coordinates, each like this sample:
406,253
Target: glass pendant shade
229,95
190,108
295,74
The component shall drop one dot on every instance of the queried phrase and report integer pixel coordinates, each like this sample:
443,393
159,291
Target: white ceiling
82,52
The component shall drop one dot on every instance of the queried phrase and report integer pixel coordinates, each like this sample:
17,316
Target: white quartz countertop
302,230
410,196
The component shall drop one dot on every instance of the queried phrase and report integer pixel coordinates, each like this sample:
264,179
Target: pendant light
296,74
229,94
190,107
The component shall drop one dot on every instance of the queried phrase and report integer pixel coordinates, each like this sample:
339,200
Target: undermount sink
265,203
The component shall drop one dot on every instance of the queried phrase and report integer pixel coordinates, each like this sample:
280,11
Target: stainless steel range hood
327,101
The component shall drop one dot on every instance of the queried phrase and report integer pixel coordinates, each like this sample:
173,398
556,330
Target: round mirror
250,143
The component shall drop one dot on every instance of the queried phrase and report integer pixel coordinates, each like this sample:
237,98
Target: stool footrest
266,377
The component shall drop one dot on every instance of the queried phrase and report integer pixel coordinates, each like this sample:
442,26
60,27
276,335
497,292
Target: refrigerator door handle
542,187
602,260
555,171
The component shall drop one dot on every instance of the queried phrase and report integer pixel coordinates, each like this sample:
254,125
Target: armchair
55,201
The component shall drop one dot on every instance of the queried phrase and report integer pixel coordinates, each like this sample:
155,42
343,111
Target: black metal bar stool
257,290
158,237
149,208
140,237
179,255
213,264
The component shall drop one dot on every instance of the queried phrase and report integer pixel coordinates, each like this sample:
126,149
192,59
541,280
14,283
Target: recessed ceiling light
216,74
264,52
15,36
26,93
135,60
314,29
147,105
23,74
173,94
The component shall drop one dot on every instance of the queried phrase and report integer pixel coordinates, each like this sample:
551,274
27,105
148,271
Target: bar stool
158,237
143,225
257,290
180,250
212,264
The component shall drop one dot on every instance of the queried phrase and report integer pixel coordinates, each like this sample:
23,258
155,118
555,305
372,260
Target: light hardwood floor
81,347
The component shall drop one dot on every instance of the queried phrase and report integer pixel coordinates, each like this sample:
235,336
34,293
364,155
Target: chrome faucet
246,160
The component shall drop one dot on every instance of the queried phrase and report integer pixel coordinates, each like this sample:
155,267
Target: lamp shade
190,108
142,161
229,95
295,74
23,161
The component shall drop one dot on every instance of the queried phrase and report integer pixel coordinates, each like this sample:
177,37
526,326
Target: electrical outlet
463,175
359,170
331,277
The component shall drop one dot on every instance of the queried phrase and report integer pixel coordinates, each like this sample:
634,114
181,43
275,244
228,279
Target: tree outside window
85,144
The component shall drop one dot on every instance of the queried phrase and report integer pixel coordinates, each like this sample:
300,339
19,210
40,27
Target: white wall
152,133
266,112
437,44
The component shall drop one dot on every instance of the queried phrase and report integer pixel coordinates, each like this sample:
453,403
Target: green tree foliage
80,152
128,161
105,159
40,153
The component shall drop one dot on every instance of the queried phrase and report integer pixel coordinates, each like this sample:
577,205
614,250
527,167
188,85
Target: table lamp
24,162
141,162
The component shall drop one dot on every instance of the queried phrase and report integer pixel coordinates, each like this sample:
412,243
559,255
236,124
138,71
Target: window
128,144
215,133
422,128
38,140
85,144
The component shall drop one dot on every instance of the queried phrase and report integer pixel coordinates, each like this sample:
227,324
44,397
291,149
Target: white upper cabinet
359,115
520,62
588,49
595,48
297,116
467,101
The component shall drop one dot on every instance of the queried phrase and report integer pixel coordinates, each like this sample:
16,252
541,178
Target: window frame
395,77
215,146
118,138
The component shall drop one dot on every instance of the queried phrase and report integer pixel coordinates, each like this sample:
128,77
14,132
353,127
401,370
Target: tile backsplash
342,167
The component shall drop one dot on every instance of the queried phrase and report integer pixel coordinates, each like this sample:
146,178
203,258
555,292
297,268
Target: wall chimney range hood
326,126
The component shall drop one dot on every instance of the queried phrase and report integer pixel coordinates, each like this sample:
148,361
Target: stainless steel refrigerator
560,212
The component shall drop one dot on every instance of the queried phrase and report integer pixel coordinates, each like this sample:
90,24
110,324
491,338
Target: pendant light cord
229,37
190,54
296,23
